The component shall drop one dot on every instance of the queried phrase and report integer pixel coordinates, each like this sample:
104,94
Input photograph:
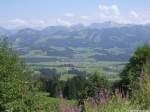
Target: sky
42,13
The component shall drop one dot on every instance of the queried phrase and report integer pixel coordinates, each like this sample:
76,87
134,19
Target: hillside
100,41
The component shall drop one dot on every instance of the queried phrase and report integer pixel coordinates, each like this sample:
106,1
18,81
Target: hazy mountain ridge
103,36
122,37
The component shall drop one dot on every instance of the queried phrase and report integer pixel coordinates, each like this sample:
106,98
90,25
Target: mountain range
98,37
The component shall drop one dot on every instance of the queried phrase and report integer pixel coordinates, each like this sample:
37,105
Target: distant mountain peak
107,24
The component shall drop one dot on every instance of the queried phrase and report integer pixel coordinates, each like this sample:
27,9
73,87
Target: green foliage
95,84
16,88
49,104
136,77
77,87
134,68
54,86
74,87
141,93
115,104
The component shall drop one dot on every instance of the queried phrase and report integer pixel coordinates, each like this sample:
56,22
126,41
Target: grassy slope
52,104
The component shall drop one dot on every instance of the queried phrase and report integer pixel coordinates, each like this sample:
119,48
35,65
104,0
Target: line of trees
77,87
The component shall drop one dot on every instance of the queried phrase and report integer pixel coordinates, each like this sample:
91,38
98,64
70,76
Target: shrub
133,69
141,93
17,93
96,85
115,104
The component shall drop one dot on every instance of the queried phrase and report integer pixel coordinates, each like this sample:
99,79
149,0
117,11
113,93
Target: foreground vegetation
17,92
21,90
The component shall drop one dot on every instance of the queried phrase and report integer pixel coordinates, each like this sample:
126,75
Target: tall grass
115,104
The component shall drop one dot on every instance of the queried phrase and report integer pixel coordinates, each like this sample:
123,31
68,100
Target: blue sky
42,13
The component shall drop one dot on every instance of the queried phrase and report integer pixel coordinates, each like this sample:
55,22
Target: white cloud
111,10
107,13
41,22
63,22
134,14
38,23
85,17
20,23
134,18
69,14
17,21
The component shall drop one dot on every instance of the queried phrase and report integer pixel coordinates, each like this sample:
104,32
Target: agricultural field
89,65
79,60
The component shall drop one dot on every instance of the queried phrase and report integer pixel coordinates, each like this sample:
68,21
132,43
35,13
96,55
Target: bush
96,83
115,104
17,93
133,69
74,87
141,93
